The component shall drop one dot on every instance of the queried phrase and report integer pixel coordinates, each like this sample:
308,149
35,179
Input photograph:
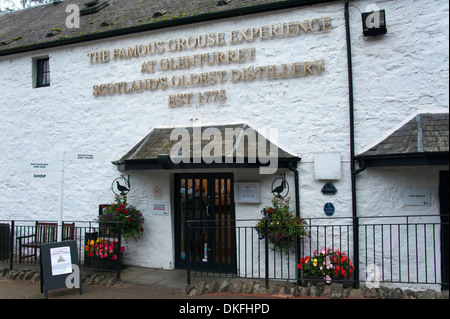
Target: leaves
130,218
327,263
282,227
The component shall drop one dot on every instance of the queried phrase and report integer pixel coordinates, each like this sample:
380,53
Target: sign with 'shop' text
40,170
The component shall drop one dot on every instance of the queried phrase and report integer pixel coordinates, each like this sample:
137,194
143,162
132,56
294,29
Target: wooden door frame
211,177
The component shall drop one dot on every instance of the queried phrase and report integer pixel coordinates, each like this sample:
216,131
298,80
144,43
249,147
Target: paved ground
136,283
163,290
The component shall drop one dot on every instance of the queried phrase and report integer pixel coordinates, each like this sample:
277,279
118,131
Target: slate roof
425,136
45,26
234,143
423,133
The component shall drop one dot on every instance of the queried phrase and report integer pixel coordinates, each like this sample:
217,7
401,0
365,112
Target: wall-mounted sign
157,192
417,196
85,156
40,171
328,209
159,207
247,192
329,189
327,166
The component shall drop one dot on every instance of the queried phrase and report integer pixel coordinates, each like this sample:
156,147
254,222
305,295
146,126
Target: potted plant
130,218
280,226
327,265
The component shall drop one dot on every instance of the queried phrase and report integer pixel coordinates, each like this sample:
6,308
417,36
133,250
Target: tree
31,3
13,5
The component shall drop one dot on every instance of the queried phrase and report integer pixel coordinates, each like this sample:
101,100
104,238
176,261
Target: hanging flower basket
130,218
280,226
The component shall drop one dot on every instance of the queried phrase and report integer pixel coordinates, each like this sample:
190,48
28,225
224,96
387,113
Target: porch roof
229,146
422,141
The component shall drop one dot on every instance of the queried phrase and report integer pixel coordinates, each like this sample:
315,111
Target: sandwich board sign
60,267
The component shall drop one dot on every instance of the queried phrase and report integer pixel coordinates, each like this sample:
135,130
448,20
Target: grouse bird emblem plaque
121,185
280,187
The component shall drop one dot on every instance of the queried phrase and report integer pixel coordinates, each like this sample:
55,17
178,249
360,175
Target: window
41,72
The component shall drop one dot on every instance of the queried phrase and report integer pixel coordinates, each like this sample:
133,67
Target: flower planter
105,264
314,281
88,237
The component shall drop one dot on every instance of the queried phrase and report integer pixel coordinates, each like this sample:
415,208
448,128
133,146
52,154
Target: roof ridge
419,133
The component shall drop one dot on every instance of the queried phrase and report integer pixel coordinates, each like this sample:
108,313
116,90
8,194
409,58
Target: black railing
99,246
394,249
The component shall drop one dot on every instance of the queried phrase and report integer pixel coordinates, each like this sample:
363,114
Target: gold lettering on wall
159,62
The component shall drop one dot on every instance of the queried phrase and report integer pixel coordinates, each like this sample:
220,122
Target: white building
115,81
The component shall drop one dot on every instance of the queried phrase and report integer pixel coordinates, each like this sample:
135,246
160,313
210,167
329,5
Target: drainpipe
352,148
297,192
298,243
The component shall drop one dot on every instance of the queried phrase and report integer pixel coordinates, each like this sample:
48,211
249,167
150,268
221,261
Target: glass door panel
207,202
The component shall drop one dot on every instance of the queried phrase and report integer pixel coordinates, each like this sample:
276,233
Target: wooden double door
204,222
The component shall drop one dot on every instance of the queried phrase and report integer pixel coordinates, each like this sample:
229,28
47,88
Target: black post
11,246
119,243
187,240
352,146
266,253
298,254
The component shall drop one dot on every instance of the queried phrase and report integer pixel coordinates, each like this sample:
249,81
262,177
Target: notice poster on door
60,260
159,207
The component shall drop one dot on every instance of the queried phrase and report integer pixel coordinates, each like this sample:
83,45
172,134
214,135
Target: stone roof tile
158,141
424,133
46,24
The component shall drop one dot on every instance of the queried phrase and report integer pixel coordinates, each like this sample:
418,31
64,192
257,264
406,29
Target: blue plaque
328,209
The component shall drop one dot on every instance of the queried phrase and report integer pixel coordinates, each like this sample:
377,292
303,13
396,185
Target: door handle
207,211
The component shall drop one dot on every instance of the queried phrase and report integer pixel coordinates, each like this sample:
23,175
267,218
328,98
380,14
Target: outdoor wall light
374,23
165,161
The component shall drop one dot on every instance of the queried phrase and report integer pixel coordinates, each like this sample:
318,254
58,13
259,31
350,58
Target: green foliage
280,226
327,263
130,218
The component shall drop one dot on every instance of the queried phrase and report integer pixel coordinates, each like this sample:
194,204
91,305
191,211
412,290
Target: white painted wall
396,76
